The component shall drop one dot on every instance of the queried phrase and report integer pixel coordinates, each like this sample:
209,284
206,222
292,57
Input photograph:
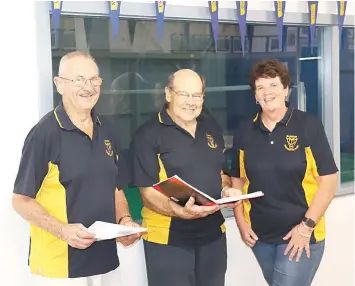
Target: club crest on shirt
291,141
210,141
109,150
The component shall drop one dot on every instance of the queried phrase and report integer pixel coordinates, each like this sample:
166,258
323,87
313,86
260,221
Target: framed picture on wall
292,39
304,32
259,45
273,44
237,45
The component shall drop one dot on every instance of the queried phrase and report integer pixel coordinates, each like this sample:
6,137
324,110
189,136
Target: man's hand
231,192
129,239
247,234
192,211
299,241
77,236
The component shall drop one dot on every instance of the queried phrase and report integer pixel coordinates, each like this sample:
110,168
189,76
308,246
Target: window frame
330,53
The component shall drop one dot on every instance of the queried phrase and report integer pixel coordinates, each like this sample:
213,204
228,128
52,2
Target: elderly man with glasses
185,245
71,174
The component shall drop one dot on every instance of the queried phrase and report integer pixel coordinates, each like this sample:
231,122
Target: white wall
26,93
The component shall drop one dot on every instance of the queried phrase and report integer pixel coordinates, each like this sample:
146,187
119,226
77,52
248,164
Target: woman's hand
246,233
231,192
300,237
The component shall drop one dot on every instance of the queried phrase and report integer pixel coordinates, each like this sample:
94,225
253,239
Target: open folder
104,230
180,191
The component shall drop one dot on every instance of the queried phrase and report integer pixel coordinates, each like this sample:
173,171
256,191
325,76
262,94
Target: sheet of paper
105,230
241,197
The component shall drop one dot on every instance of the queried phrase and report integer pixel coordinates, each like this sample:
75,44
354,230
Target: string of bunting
160,10
56,10
279,14
114,9
313,11
242,9
213,8
341,15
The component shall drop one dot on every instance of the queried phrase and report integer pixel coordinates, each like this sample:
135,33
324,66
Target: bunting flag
56,10
313,10
242,9
160,10
114,8
341,15
279,13
213,7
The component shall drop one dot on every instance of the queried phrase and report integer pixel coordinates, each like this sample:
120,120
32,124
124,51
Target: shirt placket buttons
271,141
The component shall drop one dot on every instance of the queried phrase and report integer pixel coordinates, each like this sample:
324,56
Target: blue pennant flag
213,7
242,9
279,13
114,8
341,15
160,10
313,10
56,10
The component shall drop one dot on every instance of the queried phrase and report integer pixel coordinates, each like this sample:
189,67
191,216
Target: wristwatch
309,222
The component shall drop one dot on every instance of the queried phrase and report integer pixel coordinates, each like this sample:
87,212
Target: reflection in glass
347,106
135,67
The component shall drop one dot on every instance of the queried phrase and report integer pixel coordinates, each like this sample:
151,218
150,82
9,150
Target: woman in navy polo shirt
284,153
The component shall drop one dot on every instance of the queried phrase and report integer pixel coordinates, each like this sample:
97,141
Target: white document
238,198
105,230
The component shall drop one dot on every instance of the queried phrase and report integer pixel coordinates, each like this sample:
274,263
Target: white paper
104,230
238,198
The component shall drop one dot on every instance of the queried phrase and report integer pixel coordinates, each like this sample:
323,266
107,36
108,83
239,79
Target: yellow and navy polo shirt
161,149
284,165
74,179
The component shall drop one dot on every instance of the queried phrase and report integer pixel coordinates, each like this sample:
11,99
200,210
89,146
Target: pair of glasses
197,96
80,81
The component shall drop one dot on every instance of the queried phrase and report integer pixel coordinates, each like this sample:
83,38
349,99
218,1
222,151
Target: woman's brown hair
269,69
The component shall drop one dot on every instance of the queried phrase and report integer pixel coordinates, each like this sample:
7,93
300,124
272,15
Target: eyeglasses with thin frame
197,96
81,81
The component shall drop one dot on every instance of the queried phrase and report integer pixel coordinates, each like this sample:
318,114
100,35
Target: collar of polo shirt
284,121
64,121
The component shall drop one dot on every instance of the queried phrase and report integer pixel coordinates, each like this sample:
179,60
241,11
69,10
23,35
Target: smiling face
79,83
270,93
185,95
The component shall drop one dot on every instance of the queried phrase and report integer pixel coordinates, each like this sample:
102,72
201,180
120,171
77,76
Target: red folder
180,191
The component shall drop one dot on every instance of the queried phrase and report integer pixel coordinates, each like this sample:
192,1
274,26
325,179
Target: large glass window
136,66
347,106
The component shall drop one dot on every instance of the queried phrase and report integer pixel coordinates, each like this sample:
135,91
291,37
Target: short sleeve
33,165
320,148
144,161
237,154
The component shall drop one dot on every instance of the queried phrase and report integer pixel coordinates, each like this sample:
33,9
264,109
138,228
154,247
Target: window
136,66
346,67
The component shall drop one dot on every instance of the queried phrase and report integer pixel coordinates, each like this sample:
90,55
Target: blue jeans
279,271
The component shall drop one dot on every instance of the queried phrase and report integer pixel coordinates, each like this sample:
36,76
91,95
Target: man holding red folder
185,245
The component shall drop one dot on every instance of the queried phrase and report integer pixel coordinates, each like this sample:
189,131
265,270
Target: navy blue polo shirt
284,164
161,149
74,179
